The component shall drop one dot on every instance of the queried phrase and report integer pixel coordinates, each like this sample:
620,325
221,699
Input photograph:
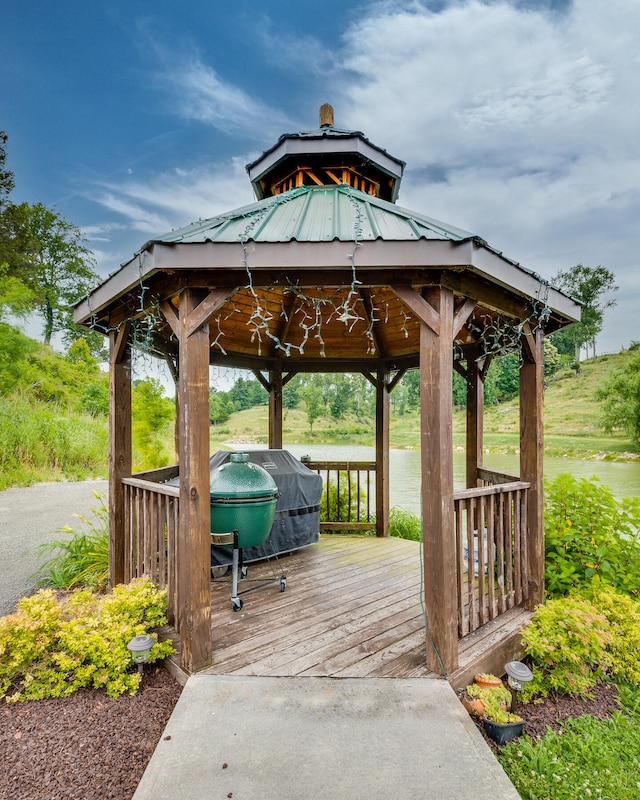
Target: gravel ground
84,747
88,746
31,516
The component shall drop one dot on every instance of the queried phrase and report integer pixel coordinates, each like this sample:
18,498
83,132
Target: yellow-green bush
568,641
51,647
623,614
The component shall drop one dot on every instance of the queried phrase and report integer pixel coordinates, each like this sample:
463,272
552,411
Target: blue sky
518,120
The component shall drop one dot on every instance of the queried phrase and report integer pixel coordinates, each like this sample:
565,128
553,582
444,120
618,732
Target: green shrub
343,501
44,442
405,525
568,641
83,559
52,647
152,414
623,615
591,538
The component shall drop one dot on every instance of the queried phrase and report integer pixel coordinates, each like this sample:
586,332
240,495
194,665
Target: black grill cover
297,518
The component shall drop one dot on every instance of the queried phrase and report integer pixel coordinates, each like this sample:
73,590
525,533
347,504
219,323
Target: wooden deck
351,609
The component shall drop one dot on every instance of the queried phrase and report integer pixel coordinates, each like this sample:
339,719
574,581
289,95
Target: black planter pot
501,733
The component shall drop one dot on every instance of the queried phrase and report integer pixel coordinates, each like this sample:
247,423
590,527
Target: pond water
622,478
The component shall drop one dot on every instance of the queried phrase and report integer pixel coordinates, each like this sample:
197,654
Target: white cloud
198,92
518,124
177,197
161,203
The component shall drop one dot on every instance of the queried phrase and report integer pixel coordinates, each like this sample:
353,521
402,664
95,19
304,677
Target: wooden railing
490,530
348,495
151,525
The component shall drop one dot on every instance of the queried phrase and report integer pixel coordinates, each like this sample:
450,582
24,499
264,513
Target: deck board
351,608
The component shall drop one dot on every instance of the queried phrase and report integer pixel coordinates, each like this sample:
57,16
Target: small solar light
140,648
517,675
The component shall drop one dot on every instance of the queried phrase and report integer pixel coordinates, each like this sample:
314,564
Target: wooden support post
435,311
275,409
194,541
531,457
436,441
383,403
475,417
119,446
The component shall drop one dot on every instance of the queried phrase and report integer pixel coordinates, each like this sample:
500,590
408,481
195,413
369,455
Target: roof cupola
326,157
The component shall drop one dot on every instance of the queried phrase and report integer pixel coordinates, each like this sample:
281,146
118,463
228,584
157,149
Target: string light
312,310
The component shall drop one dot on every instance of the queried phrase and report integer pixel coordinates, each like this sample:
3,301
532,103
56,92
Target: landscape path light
140,648
517,675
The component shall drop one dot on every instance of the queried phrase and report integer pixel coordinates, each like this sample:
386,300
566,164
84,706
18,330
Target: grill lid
239,479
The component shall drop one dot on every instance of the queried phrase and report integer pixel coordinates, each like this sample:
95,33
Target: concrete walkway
252,738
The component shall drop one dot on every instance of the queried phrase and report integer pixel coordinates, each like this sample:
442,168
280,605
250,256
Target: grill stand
239,571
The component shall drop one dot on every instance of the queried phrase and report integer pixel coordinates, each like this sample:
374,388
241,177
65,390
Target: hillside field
572,424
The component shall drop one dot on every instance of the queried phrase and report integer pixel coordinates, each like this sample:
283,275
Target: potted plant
486,680
499,723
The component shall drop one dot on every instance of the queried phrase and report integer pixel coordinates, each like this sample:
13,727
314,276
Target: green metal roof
317,214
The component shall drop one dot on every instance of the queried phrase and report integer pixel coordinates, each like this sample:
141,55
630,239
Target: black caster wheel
244,572
236,605
283,584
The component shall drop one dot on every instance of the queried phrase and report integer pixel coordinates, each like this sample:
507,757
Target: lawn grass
589,757
571,422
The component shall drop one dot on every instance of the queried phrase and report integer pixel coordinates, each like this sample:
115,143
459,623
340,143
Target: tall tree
589,285
6,176
50,256
311,394
621,396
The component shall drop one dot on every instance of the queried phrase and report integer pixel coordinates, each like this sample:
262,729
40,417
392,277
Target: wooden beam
436,440
194,540
531,458
397,378
119,447
275,409
171,315
383,404
462,315
475,416
264,382
203,312
419,306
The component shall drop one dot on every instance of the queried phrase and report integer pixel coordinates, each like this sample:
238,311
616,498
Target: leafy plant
82,560
405,525
588,757
343,502
568,641
43,441
591,538
152,414
623,615
51,647
497,700
621,400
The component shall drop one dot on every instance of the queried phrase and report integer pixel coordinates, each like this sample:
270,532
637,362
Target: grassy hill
53,423
572,421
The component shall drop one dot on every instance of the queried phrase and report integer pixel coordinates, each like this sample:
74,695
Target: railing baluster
490,521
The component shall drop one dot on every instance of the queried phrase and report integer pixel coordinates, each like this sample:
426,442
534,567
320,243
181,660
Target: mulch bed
556,708
84,746
89,746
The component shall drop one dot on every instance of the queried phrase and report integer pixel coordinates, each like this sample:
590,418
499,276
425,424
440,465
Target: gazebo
325,273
